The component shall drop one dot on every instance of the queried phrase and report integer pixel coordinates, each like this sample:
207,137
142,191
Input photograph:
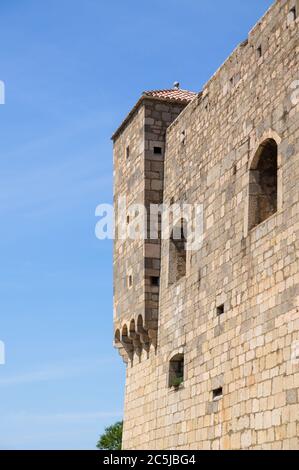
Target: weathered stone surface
252,349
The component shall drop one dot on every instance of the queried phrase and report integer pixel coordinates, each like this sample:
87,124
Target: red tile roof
175,94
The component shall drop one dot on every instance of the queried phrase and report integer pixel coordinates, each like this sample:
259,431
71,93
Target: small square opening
220,310
155,281
217,393
157,150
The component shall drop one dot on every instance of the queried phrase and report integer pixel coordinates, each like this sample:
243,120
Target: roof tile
175,94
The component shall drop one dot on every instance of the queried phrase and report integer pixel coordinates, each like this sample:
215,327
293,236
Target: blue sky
72,70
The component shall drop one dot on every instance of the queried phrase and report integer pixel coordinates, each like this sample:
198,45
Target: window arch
263,183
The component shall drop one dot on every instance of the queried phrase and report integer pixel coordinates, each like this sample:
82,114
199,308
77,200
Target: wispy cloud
53,186
62,134
64,418
54,430
36,180
54,372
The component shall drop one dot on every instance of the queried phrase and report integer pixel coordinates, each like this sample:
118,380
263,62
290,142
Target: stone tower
139,149
211,335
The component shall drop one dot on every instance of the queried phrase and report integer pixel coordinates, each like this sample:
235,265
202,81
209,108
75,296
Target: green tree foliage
111,439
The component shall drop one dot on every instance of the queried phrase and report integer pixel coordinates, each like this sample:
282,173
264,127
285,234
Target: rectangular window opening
130,281
259,52
176,371
217,393
128,152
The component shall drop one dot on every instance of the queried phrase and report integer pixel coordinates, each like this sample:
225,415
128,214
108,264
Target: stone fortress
211,336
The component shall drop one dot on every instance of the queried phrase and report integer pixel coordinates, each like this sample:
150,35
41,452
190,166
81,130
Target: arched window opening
177,253
263,184
176,371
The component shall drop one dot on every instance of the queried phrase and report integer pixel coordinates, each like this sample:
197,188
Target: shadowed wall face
177,253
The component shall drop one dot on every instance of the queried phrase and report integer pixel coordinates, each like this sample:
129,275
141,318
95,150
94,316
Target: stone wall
248,350
128,254
139,151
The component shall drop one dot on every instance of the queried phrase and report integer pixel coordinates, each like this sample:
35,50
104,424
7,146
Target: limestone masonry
211,336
